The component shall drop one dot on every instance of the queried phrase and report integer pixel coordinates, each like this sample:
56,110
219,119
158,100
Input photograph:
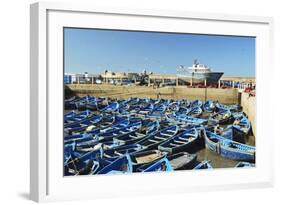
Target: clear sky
93,51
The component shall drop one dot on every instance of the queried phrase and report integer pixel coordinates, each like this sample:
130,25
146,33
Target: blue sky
93,51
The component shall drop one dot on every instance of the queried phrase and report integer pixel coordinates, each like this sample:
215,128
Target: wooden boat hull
158,165
121,165
209,106
222,117
118,151
154,140
233,133
242,123
186,141
203,165
182,160
228,148
77,161
145,157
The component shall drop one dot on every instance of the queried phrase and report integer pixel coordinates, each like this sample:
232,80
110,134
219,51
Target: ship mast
195,63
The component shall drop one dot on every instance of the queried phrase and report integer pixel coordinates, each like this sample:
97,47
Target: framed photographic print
132,102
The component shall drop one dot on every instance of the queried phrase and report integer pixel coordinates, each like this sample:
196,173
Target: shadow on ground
24,195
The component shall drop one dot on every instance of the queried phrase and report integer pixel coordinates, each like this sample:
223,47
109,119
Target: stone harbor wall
226,96
249,107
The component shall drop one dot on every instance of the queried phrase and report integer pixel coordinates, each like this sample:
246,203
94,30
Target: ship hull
212,77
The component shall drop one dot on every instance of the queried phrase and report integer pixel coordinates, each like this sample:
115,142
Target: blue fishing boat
158,111
84,168
125,111
233,133
220,107
182,111
90,145
230,132
70,103
173,107
82,125
148,108
221,117
195,111
96,124
185,103
77,161
231,108
182,160
203,165
118,130
130,109
196,103
209,106
184,141
69,115
76,117
184,119
137,135
107,136
109,125
108,121
118,151
158,165
96,104
68,150
132,101
149,126
71,99
228,148
152,141
77,138
82,104
121,165
242,123
113,107
93,106
146,157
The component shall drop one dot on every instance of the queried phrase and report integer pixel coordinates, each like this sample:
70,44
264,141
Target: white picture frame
46,179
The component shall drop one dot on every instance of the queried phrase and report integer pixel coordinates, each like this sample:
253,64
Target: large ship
199,73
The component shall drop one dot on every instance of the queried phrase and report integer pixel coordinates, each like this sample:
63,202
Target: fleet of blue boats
109,136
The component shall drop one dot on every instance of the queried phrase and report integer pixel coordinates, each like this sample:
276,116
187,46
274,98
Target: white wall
14,103
249,107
